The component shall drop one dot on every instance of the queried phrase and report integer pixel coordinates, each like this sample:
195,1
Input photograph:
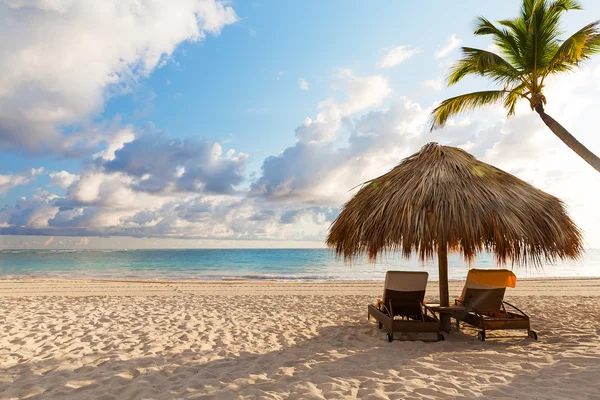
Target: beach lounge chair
482,304
402,308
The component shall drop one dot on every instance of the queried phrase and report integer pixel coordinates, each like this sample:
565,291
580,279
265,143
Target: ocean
249,264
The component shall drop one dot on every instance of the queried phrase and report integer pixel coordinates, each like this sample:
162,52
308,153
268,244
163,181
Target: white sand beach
72,339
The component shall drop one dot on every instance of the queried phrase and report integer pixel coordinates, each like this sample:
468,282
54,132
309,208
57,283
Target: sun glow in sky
207,123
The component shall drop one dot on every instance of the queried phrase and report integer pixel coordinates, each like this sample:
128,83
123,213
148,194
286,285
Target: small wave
62,251
294,278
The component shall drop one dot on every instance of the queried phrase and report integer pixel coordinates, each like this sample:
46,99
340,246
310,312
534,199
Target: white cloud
115,143
63,178
154,163
303,84
114,209
436,84
280,75
361,92
114,198
452,43
10,181
397,56
7,182
32,213
62,59
319,169
153,185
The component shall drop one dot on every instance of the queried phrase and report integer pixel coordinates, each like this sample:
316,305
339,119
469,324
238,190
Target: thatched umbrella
442,198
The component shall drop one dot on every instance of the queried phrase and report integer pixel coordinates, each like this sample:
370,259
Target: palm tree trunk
569,139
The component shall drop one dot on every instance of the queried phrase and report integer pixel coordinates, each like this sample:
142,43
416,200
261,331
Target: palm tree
531,50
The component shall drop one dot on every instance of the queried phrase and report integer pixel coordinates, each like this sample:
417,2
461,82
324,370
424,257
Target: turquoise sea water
249,264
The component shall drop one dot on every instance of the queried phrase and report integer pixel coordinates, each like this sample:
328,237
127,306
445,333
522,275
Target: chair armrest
468,308
384,309
430,310
514,307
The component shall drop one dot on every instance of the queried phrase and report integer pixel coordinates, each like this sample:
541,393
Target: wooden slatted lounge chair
482,304
402,308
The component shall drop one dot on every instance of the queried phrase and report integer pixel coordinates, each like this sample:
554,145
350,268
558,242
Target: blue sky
204,78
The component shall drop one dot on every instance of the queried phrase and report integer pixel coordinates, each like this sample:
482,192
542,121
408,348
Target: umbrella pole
443,282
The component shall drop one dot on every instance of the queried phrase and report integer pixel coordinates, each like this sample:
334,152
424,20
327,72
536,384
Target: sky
207,123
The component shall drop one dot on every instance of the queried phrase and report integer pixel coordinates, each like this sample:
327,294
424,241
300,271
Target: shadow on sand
350,360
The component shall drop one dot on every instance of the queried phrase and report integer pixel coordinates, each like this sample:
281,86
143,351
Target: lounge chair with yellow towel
482,304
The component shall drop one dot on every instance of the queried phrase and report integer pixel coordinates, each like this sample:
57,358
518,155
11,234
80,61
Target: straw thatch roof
444,194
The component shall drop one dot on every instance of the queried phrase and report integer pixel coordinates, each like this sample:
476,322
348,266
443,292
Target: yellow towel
378,303
493,277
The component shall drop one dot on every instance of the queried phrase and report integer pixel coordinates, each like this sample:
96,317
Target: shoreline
265,280
26,287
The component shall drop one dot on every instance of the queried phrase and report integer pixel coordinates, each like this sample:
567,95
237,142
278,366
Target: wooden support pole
443,282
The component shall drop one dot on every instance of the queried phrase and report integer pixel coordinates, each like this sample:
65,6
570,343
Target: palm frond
577,48
459,104
519,30
502,38
545,30
512,97
484,63
559,6
529,6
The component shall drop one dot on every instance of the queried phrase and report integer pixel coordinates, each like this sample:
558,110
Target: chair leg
457,325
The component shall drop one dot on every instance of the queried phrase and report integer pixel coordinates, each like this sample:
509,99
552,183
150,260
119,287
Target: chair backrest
405,291
484,289
484,300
